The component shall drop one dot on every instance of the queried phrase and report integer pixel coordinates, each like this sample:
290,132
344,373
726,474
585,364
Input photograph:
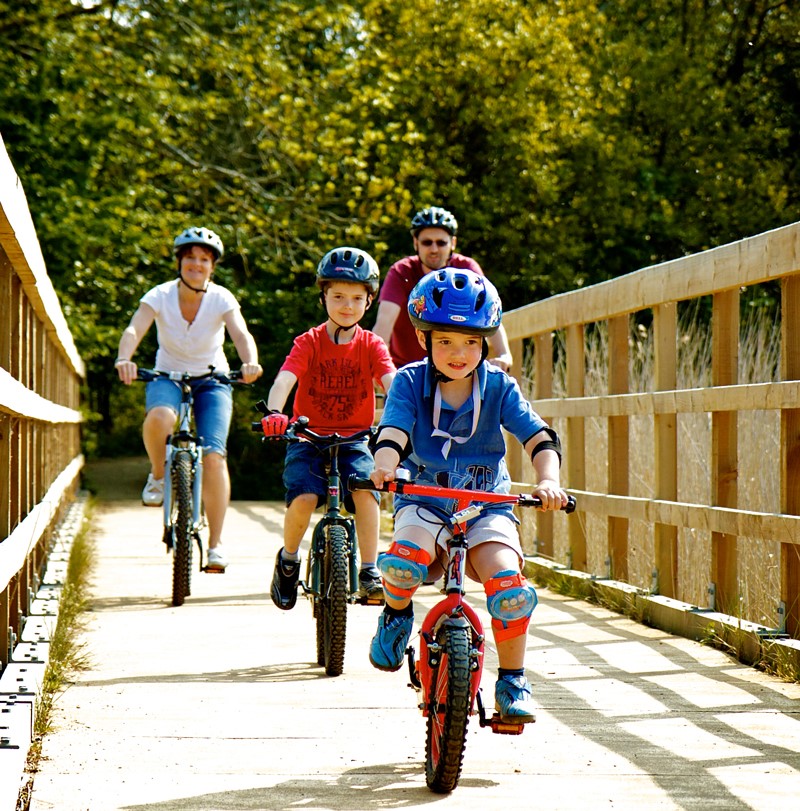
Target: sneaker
370,585
216,560
388,646
284,582
153,493
513,700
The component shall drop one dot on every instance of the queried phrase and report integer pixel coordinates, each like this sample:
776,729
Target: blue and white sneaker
513,700
388,646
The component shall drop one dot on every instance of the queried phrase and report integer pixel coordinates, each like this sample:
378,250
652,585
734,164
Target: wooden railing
606,504
40,378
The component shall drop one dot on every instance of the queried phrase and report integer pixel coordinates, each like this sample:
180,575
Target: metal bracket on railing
712,596
654,582
12,643
781,617
608,568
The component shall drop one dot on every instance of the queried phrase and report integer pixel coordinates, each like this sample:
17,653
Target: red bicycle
447,674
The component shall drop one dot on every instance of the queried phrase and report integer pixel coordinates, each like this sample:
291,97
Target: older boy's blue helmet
455,300
349,265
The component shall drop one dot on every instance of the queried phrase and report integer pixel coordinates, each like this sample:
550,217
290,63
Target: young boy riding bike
334,366
442,421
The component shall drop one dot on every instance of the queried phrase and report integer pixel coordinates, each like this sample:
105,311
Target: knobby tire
182,526
448,710
334,599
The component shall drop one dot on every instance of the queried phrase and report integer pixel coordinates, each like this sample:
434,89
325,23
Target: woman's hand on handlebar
551,494
251,372
127,370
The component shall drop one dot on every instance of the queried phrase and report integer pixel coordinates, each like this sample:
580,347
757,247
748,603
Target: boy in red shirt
334,366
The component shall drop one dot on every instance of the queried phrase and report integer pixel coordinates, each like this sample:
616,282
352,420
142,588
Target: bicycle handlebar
232,376
299,429
412,488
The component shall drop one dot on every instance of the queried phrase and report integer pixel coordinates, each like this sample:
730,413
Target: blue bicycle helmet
349,265
434,217
199,236
455,300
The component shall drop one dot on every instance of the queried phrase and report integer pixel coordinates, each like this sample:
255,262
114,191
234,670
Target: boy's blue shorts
304,471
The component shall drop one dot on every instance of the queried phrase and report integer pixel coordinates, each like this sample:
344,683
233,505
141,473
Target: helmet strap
196,289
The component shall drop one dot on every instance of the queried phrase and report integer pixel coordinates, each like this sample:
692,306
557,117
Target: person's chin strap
340,328
196,289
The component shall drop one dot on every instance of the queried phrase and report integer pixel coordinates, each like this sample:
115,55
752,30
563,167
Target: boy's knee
403,567
510,601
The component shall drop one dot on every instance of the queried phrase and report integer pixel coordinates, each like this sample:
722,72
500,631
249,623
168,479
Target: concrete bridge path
218,704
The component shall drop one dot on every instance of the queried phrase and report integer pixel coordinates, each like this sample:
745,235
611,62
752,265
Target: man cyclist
434,232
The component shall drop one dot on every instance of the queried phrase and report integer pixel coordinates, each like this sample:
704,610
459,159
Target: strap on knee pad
510,601
403,567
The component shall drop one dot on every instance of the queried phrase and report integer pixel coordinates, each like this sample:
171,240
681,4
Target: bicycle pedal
211,569
501,727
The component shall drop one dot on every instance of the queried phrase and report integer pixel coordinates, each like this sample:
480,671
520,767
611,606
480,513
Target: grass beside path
116,479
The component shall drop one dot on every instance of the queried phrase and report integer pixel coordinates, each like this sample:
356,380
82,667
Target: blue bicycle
183,483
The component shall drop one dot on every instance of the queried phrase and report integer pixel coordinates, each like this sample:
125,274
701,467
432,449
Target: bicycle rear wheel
448,710
333,605
182,526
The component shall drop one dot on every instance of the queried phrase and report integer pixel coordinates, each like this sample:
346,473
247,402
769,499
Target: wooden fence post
724,448
618,444
790,451
576,440
665,327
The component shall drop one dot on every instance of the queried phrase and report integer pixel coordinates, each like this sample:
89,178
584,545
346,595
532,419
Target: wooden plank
769,527
665,431
724,447
576,441
744,397
790,450
618,444
543,388
765,257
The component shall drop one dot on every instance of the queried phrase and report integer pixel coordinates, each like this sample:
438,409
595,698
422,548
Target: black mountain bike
183,483
331,582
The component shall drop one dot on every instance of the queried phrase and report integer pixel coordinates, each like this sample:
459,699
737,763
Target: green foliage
574,141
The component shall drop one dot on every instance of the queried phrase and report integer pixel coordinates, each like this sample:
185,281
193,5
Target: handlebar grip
256,428
571,505
355,482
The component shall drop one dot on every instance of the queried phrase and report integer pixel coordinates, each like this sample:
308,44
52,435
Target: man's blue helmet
455,300
434,217
349,265
199,236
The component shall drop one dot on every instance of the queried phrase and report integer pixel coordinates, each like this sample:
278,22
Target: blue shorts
304,471
213,408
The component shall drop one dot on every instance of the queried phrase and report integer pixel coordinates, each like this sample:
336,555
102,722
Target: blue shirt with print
477,464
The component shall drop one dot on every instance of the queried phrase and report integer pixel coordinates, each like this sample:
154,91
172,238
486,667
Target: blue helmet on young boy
455,300
349,265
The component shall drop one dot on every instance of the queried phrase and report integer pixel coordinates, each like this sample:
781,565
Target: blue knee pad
403,567
509,597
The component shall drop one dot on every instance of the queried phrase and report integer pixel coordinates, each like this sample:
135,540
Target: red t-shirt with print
335,381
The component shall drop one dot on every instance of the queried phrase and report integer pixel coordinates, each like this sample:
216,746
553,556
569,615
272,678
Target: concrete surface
218,704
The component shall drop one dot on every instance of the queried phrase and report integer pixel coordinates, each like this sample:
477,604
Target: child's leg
510,601
404,568
368,518
296,521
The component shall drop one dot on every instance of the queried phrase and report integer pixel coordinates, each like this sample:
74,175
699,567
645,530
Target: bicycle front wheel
182,526
333,605
448,710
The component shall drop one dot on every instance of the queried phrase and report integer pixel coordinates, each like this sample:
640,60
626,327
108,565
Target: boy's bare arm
546,465
281,388
387,458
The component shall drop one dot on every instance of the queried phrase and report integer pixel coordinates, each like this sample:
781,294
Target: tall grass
759,458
